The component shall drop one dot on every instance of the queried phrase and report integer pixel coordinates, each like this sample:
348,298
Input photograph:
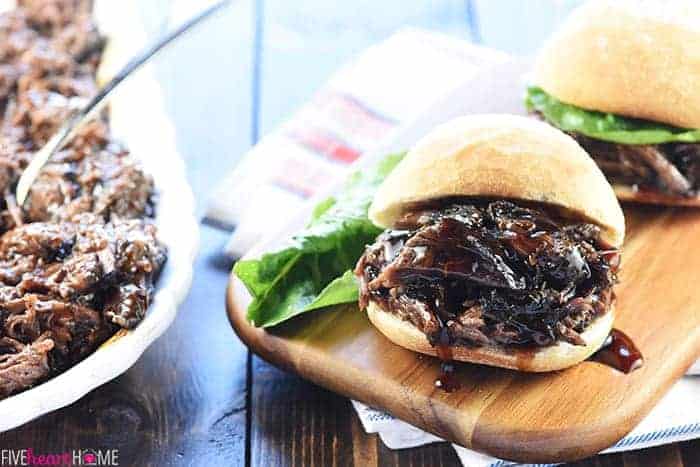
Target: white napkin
676,418
360,109
379,103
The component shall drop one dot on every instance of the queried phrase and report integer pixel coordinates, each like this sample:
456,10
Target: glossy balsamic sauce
490,256
618,351
447,380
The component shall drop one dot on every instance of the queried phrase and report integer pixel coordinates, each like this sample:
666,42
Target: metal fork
71,126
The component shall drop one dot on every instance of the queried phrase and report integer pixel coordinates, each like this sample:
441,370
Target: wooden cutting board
551,417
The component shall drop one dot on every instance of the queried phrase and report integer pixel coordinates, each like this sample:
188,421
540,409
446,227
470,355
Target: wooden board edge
516,446
282,358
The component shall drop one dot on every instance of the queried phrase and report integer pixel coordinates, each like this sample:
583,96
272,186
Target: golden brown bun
501,156
629,57
554,357
627,193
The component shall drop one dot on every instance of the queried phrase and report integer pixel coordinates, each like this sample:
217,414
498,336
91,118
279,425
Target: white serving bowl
138,119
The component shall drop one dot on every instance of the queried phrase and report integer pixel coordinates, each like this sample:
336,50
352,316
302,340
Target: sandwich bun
505,157
637,58
501,157
532,359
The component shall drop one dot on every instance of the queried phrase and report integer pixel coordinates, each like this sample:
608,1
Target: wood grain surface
553,417
198,397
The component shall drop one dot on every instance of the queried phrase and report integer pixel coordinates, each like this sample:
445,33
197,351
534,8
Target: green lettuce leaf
314,270
343,289
605,126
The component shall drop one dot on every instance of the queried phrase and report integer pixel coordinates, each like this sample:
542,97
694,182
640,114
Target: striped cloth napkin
359,109
674,419
370,103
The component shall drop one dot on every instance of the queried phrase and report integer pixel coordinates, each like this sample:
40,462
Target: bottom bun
628,193
536,359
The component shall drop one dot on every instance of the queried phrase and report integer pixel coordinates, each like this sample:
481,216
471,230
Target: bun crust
555,357
630,57
501,156
626,193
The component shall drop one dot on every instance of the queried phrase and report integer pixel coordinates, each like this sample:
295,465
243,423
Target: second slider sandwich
501,247
623,78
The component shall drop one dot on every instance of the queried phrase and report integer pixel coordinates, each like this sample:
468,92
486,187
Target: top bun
501,156
639,58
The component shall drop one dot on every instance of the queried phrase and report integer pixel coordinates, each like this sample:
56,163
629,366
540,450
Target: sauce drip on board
447,380
619,352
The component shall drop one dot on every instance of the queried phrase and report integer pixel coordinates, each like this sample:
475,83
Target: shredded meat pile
672,168
79,260
490,273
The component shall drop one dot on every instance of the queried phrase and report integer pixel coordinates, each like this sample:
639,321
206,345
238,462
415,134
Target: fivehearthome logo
73,458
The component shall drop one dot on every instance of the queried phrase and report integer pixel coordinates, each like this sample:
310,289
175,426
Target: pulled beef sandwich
500,248
622,77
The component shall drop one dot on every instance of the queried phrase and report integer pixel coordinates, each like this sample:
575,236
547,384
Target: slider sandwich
501,247
622,77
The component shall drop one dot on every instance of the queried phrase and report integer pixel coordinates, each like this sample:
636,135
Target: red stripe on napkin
326,144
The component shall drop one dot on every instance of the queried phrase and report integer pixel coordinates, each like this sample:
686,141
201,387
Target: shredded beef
672,168
79,260
22,365
490,273
77,283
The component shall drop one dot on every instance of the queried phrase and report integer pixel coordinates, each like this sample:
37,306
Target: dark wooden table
197,396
